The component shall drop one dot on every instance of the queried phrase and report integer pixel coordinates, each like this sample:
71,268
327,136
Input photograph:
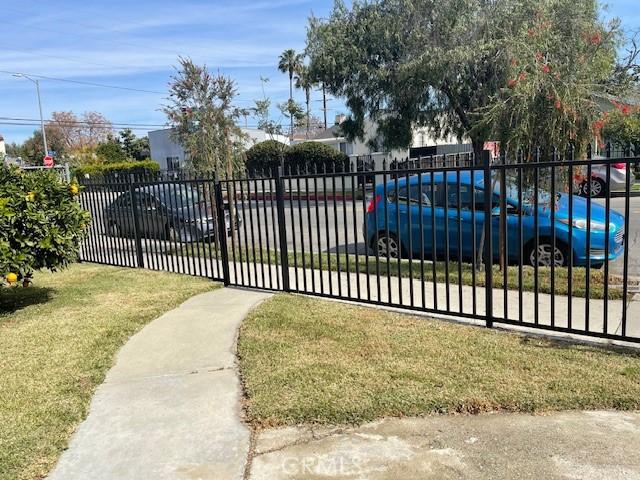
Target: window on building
173,163
346,148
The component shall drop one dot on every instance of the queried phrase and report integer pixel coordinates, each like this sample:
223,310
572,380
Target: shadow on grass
542,341
17,298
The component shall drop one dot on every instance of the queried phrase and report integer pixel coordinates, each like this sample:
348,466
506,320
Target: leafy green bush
112,171
301,157
315,156
266,155
41,223
111,152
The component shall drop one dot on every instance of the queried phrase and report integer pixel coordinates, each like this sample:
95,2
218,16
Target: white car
598,185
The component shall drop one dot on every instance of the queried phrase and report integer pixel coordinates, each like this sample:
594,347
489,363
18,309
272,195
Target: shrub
266,155
314,155
111,152
113,171
41,223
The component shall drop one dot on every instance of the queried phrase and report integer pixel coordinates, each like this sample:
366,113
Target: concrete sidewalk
569,445
170,407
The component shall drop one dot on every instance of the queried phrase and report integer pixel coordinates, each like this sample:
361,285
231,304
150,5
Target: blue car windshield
512,191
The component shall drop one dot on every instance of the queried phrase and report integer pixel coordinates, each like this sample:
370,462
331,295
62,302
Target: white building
424,143
171,156
3,148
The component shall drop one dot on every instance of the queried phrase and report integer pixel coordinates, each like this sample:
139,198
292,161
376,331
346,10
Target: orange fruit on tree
11,277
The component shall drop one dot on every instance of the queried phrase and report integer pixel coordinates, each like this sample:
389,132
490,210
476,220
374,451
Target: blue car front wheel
544,256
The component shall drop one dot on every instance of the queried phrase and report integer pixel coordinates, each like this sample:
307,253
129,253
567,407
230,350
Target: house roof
329,133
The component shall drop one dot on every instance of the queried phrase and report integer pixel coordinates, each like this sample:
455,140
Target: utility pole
324,104
37,83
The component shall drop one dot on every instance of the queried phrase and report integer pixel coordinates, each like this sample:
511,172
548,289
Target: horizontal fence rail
544,241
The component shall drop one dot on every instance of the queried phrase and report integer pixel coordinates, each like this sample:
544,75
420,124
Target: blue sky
135,44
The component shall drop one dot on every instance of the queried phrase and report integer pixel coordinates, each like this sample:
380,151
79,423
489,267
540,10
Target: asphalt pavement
330,226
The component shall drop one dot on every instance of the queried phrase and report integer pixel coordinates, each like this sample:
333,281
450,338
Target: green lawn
57,341
316,361
412,269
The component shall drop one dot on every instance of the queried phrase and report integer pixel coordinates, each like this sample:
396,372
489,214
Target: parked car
598,185
167,211
391,236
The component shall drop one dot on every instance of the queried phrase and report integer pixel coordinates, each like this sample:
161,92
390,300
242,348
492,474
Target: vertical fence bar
354,208
136,226
310,233
282,231
606,239
302,249
625,274
222,230
273,182
488,241
587,295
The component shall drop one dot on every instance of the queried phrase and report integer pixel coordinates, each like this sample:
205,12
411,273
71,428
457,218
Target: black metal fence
541,247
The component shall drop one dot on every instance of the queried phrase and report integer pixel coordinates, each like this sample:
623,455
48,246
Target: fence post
136,222
222,229
488,238
284,255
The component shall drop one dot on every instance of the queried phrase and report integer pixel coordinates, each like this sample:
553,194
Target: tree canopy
204,118
448,65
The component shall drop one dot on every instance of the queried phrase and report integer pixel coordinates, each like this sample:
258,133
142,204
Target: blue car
451,210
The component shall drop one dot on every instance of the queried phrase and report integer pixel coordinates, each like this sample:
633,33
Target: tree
32,149
134,147
407,63
86,132
290,63
204,118
261,112
621,127
304,82
295,112
42,224
560,59
111,151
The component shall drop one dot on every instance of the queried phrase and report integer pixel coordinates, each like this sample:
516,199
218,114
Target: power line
33,124
85,122
81,82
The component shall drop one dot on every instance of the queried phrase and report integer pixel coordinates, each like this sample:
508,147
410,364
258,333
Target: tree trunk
308,94
290,102
324,104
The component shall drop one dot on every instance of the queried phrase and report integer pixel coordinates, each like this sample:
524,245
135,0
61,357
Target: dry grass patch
57,341
310,360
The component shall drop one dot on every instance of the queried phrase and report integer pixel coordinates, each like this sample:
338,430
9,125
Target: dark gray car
168,211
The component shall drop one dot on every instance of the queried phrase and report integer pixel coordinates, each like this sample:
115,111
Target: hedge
266,155
113,171
305,156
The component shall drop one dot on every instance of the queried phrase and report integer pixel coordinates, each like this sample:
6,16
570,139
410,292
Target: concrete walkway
571,445
170,407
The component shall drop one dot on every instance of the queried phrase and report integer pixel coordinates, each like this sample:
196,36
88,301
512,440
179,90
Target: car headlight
582,224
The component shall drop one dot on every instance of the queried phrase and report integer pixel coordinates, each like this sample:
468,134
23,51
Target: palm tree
304,82
290,62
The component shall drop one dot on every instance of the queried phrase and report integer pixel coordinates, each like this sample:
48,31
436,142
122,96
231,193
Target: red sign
48,161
